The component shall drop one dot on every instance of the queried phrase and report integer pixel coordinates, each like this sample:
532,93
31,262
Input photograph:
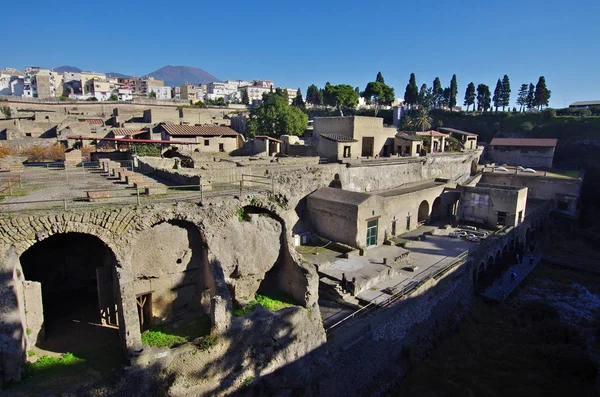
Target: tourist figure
518,259
344,283
513,276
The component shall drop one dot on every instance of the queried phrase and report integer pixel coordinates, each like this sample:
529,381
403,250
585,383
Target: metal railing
514,283
7,184
435,273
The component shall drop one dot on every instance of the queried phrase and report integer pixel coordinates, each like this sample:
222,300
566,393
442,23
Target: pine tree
245,98
529,102
498,95
357,90
446,97
453,92
522,97
312,95
438,92
298,101
422,96
505,92
411,95
542,94
379,78
483,97
470,96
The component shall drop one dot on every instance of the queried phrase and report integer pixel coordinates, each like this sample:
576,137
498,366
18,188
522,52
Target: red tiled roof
198,130
536,142
126,131
431,133
92,121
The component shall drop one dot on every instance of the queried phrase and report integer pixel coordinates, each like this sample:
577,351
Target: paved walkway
503,285
430,254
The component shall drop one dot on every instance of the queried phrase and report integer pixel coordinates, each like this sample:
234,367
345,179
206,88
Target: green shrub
273,304
206,342
145,149
247,381
161,339
46,363
242,215
30,353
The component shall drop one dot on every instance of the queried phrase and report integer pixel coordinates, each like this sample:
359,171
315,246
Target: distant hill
178,75
72,69
118,75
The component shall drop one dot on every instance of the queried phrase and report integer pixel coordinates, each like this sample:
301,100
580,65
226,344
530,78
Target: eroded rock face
247,250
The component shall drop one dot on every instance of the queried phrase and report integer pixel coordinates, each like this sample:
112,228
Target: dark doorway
423,211
347,152
144,306
408,223
221,147
368,142
76,274
393,228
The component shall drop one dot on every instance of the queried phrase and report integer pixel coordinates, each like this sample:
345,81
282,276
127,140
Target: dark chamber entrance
71,269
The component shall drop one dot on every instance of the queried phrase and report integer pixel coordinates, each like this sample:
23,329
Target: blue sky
300,43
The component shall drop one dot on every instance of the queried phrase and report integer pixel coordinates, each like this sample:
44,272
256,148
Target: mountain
178,75
118,75
62,69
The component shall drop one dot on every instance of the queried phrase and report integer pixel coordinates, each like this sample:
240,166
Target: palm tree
422,120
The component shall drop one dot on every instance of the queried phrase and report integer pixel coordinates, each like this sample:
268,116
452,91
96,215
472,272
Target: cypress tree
529,102
411,95
470,96
498,95
379,78
505,92
438,92
542,94
453,92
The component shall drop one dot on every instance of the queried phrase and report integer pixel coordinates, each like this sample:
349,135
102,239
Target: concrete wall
526,157
334,221
539,187
481,204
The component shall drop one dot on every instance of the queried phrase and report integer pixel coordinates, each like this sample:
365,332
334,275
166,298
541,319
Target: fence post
137,192
83,167
273,186
9,187
200,183
241,187
20,182
66,172
65,203
48,171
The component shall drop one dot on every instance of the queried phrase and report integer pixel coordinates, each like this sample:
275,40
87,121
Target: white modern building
162,92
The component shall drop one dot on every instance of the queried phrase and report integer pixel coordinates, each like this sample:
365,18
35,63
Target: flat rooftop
410,188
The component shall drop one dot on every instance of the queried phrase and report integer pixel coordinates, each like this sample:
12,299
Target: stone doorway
69,293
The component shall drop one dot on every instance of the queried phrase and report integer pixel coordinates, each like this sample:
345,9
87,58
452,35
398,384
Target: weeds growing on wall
55,152
271,303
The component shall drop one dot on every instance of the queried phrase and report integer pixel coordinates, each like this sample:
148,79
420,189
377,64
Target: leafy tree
216,102
483,97
378,93
113,97
275,117
340,96
379,78
357,90
92,99
529,101
438,93
542,93
298,101
152,94
453,92
245,97
313,96
411,95
283,93
422,120
470,96
505,92
498,95
522,97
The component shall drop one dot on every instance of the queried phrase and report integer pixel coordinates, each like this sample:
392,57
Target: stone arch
438,211
423,212
490,263
69,289
172,277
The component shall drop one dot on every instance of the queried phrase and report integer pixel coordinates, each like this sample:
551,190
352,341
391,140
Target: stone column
129,323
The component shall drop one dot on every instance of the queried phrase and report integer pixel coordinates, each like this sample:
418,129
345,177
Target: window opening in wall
221,147
520,216
501,218
408,222
346,152
144,305
393,228
563,205
372,232
206,142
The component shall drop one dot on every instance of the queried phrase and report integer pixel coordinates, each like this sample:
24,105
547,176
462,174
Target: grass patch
564,174
271,303
177,333
207,342
242,215
247,381
30,353
47,363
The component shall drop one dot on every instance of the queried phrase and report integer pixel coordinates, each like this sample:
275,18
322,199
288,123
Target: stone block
156,189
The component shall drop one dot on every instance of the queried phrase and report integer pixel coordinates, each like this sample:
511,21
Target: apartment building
191,92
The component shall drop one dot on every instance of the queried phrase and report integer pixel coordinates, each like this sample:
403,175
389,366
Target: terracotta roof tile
408,136
198,130
431,133
267,137
92,121
536,142
126,131
338,138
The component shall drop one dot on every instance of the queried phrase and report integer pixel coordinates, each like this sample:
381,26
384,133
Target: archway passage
423,211
438,212
75,273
